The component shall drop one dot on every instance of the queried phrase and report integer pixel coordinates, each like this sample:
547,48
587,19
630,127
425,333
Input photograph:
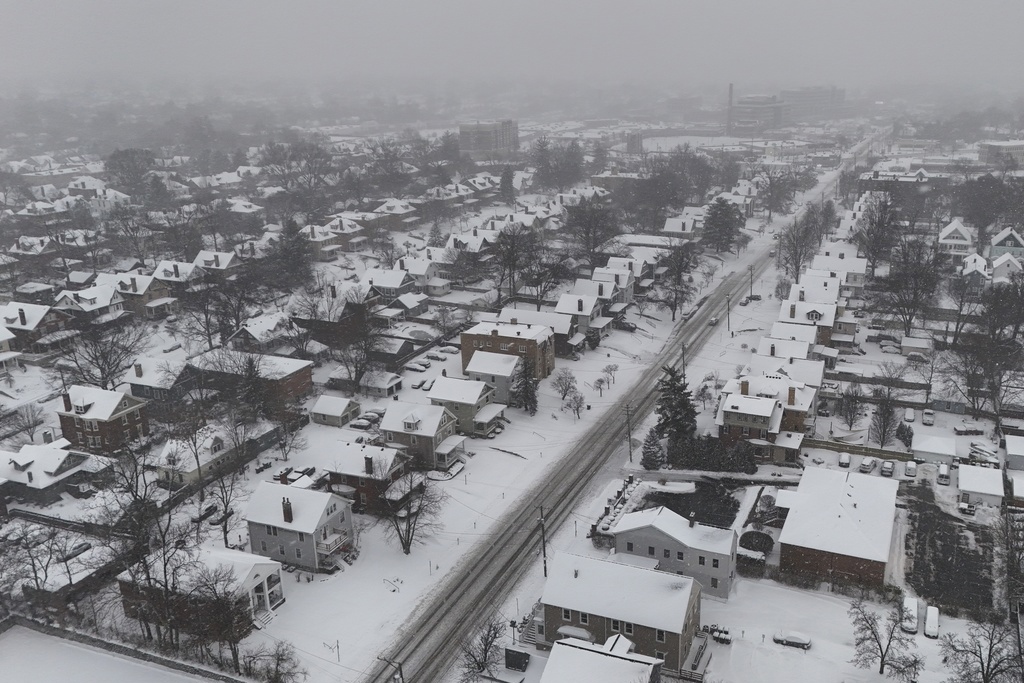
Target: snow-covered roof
645,597
497,364
350,458
455,390
381,277
334,406
415,418
176,271
228,361
939,445
793,331
845,513
809,372
1015,445
10,315
159,373
748,405
955,232
308,507
573,659
246,568
93,298
523,331
92,403
573,304
984,480
783,348
559,323
215,260
39,466
808,313
265,328
1008,235
698,536
126,283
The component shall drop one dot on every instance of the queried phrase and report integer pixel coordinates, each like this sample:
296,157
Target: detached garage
934,449
981,485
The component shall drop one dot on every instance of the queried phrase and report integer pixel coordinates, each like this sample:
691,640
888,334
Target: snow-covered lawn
27,655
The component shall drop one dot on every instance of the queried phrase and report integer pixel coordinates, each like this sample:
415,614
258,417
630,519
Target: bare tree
273,664
797,245
220,609
600,383
100,358
884,422
988,653
198,316
563,382
575,402
447,321
879,640
609,371
481,654
850,403
126,225
28,419
642,304
289,437
411,509
228,493
189,436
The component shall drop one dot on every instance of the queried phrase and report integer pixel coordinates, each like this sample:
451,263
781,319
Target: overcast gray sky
780,42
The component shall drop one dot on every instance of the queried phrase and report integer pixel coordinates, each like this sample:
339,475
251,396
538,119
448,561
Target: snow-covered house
144,295
162,382
574,659
388,284
1007,241
42,472
422,430
180,462
179,276
955,242
216,261
975,274
96,305
586,310
622,279
839,525
336,411
311,529
980,485
102,421
1005,268
364,473
498,370
262,334
36,328
471,402
933,448
593,599
680,546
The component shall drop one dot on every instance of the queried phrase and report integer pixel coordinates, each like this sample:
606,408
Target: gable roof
699,536
93,298
426,418
308,506
955,231
158,373
845,513
646,597
99,404
331,405
10,315
226,360
350,458
131,284
572,659
457,390
576,304
1007,235
215,260
497,364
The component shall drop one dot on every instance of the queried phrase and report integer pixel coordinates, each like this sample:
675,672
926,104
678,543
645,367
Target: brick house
36,328
568,340
593,599
702,552
363,472
839,525
285,379
533,342
470,401
311,529
421,430
101,421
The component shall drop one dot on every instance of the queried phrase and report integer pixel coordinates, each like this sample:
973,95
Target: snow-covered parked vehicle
792,639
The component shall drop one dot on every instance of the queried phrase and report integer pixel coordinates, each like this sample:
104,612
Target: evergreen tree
524,387
507,188
677,416
436,238
652,457
722,225
291,260
540,155
600,161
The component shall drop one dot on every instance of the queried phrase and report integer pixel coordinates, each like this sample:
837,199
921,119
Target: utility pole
728,310
751,269
543,542
629,430
397,665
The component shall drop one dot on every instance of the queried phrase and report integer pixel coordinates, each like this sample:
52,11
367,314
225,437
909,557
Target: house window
745,431
124,420
616,625
584,618
714,583
522,348
298,553
566,615
666,553
659,635
714,563
263,546
660,655
700,560
280,548
92,425
488,344
650,550
679,555
629,628
505,347
414,441
391,437
302,537
629,546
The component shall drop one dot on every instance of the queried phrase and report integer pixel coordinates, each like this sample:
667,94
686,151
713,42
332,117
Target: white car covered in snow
792,639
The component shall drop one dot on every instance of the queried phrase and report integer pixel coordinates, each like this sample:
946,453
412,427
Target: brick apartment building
101,421
535,343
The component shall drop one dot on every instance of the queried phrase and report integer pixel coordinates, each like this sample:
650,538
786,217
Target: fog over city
663,42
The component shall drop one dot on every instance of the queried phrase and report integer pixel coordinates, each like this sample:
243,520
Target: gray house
705,553
310,529
497,370
471,402
336,411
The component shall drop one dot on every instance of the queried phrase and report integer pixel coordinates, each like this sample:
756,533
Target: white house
934,449
1015,452
981,485
955,241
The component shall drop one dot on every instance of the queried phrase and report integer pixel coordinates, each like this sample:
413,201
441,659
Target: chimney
252,248
334,292
744,387
494,332
474,232
801,295
286,508
401,264
138,369
216,261
579,305
444,373
21,316
792,396
842,255
176,274
368,464
67,403
135,286
78,297
616,278
600,289
792,310
283,478
693,519
29,473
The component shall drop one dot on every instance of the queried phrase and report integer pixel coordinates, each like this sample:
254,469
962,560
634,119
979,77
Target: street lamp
728,310
751,269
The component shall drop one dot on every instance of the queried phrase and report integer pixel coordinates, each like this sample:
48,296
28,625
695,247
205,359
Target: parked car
910,616
967,509
423,361
361,425
712,322
379,412
415,367
754,297
771,252
968,428
891,349
909,414
927,416
435,356
372,418
429,384
876,326
418,383
910,469
931,622
206,513
915,357
447,349
824,412
868,464
888,468
792,639
844,460
77,550
744,301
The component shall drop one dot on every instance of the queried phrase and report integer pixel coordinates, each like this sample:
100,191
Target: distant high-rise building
489,136
814,102
757,112
635,142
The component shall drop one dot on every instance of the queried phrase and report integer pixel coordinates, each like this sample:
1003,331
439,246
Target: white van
868,464
910,616
931,622
944,475
844,460
909,414
910,469
927,416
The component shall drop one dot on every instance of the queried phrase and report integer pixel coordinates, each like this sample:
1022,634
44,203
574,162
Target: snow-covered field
27,655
